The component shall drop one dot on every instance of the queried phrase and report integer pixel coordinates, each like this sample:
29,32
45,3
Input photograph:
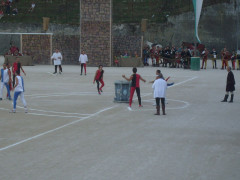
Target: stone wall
39,46
96,31
69,47
126,43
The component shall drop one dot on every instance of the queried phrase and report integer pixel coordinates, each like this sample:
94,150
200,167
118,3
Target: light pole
237,11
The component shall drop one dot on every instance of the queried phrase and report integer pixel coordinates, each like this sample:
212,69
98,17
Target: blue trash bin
122,91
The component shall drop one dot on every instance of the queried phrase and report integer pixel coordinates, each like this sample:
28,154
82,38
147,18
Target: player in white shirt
83,59
57,60
5,81
19,90
160,87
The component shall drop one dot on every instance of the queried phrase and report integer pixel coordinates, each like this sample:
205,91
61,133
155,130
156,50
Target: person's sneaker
129,108
26,109
13,111
9,99
0,99
54,73
99,92
85,74
140,106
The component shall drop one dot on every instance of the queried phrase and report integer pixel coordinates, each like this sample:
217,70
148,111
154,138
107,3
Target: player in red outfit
99,78
135,85
225,57
16,67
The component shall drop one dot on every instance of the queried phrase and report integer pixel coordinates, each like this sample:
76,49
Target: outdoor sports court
71,132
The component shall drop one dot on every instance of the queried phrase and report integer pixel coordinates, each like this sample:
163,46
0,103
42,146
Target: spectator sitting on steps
15,11
32,7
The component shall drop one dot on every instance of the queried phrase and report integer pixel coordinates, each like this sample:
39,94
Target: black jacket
230,82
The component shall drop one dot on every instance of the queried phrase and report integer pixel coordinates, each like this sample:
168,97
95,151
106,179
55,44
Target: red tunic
135,82
99,75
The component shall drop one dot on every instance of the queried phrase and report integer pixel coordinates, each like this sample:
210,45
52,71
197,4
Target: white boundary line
182,82
53,130
54,111
186,104
49,115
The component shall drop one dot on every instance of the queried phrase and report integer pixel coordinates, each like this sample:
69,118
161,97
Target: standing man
57,59
230,87
225,57
83,59
5,81
135,85
214,58
160,87
204,58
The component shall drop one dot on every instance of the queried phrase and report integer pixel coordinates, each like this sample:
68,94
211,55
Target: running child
19,90
135,85
5,81
99,78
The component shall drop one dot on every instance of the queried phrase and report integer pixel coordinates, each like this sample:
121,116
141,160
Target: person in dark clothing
99,78
230,87
214,58
135,85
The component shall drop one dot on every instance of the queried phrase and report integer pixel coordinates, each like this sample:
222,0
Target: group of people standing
173,56
159,86
57,61
181,57
15,83
226,57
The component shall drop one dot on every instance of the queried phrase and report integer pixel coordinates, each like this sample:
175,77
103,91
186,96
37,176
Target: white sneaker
13,111
129,108
26,109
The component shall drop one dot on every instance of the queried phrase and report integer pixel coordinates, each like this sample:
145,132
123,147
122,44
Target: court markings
185,105
58,128
76,121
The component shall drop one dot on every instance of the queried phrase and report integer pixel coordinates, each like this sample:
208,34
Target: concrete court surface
71,132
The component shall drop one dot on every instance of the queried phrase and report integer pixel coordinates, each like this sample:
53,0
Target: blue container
122,91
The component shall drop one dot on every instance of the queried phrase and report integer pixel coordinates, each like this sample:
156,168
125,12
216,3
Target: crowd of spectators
180,57
167,56
9,7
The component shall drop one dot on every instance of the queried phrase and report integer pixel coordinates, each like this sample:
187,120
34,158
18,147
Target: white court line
52,74
186,104
53,130
54,111
4,109
48,115
175,84
68,94
182,82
